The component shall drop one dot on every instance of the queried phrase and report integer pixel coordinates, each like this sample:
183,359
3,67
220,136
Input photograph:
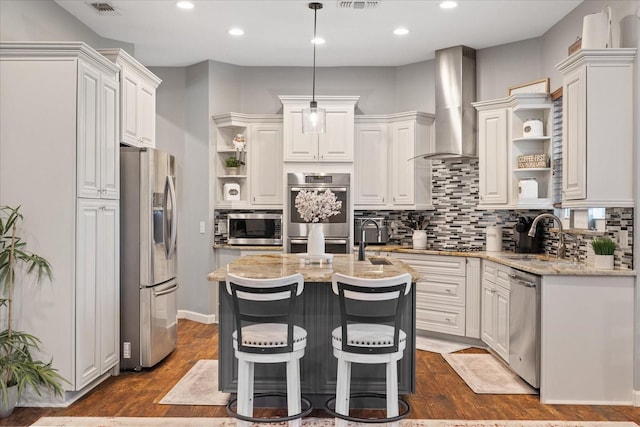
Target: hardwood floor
440,393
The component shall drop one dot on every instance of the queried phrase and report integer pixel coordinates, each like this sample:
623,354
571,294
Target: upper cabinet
386,174
335,145
258,182
515,152
597,128
138,101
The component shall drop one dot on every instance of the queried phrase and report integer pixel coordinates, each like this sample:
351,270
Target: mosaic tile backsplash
456,220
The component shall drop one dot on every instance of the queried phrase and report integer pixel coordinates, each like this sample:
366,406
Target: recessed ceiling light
448,4
318,40
236,31
400,31
185,5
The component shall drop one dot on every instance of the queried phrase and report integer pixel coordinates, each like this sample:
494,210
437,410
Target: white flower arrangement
314,207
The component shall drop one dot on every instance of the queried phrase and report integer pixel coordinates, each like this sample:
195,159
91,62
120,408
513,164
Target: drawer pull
448,291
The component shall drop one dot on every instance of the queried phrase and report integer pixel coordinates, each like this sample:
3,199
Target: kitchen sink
379,261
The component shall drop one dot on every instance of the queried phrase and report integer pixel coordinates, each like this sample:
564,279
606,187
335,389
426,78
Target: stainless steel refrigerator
148,263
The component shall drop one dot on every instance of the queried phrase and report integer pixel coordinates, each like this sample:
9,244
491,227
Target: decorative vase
603,262
7,407
419,239
315,242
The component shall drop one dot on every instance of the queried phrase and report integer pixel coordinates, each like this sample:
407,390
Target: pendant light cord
315,20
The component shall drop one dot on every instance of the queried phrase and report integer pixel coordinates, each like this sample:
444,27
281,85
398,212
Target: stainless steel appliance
254,229
148,262
372,235
524,326
336,228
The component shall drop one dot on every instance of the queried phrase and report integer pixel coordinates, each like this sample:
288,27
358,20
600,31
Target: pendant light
313,118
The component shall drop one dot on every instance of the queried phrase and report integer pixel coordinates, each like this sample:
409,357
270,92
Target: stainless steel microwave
254,229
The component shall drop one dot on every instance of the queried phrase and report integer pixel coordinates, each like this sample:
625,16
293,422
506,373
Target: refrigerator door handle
173,220
166,291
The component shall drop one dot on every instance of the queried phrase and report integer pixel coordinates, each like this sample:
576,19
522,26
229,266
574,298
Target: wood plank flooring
440,393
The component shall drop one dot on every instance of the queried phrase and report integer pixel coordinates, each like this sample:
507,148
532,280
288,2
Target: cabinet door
488,313
97,289
336,144
493,137
109,143
130,91
147,115
88,132
371,164
501,343
574,144
402,171
265,164
298,146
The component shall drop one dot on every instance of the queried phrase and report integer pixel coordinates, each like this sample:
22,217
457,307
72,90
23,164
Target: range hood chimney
456,123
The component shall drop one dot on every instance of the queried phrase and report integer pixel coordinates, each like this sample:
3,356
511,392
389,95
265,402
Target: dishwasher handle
522,282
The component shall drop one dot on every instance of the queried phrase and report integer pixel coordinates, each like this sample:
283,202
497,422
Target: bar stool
265,333
369,338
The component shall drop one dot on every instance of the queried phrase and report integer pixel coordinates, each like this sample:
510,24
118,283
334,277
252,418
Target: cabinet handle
383,200
448,291
447,319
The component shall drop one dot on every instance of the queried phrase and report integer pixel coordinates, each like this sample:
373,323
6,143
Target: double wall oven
336,228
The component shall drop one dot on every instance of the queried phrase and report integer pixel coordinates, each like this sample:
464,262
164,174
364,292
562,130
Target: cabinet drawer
502,277
489,271
441,288
436,264
448,319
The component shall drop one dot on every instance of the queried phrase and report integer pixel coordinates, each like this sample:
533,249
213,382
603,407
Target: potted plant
17,366
603,248
232,164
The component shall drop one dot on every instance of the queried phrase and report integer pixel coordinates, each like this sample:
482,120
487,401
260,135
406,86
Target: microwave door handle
298,241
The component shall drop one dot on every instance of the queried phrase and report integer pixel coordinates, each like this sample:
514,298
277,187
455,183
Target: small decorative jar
419,239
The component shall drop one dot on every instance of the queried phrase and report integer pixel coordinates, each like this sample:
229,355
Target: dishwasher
524,326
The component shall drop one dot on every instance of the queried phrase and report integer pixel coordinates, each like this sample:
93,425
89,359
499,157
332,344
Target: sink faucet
361,246
562,249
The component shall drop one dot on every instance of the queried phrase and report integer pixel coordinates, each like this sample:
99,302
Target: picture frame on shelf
536,86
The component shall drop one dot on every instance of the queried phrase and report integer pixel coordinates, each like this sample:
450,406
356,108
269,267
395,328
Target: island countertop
278,265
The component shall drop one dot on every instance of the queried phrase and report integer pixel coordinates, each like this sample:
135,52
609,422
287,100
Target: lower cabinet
495,307
97,289
448,296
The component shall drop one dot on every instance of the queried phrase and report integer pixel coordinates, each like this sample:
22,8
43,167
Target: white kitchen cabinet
138,101
386,175
97,283
441,296
261,179
71,92
265,159
597,129
98,156
335,145
502,141
495,307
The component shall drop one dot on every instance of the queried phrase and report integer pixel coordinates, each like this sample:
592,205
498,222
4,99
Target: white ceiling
278,33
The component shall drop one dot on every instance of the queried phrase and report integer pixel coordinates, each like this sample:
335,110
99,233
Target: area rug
485,374
306,422
198,387
438,346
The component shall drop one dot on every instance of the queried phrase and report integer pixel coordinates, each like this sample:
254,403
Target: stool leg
293,390
392,389
343,387
245,388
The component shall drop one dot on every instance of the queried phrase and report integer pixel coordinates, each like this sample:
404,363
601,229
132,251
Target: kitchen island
318,312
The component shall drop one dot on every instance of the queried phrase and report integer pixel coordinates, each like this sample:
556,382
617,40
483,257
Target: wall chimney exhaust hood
455,122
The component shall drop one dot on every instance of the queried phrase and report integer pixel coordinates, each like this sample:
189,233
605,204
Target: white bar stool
267,338
369,336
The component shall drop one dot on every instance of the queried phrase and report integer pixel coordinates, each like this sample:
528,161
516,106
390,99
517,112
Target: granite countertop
533,263
277,265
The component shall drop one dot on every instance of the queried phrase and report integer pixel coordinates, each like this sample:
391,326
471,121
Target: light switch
201,227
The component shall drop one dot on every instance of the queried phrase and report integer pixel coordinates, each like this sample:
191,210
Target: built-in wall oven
336,228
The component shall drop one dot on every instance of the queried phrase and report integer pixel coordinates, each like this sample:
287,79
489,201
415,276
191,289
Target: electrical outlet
201,227
623,239
126,350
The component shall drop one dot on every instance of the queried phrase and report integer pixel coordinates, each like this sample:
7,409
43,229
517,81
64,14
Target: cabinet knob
448,291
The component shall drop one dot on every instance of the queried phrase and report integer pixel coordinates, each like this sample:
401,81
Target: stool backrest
373,301
259,301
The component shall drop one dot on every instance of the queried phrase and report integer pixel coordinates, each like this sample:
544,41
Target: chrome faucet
361,246
562,249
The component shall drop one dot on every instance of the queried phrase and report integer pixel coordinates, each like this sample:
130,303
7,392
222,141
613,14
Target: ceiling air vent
104,8
358,4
